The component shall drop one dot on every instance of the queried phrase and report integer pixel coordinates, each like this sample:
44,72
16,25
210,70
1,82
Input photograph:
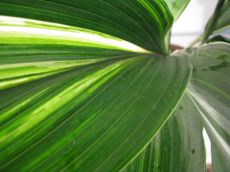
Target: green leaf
210,91
179,144
219,20
177,6
31,62
178,147
17,30
145,23
90,118
84,93
219,38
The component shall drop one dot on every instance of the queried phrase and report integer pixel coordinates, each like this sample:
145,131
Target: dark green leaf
219,38
145,23
220,19
178,147
89,117
30,62
72,99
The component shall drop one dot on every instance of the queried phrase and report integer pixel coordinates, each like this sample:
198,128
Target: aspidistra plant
92,86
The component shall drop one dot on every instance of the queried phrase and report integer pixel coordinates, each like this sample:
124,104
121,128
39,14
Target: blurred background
192,21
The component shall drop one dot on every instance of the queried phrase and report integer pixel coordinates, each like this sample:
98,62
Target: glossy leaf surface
92,90
145,23
74,99
178,147
95,117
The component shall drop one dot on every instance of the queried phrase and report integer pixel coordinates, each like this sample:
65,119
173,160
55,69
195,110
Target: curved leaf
219,38
219,20
142,22
178,147
70,101
92,118
179,144
18,30
210,91
177,6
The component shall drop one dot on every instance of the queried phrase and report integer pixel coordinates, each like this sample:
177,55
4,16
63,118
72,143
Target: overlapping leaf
178,147
82,98
220,19
92,118
30,62
74,102
142,22
210,90
219,38
177,6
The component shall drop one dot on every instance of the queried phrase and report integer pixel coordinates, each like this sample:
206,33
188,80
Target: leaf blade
210,92
130,19
177,6
219,21
84,127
